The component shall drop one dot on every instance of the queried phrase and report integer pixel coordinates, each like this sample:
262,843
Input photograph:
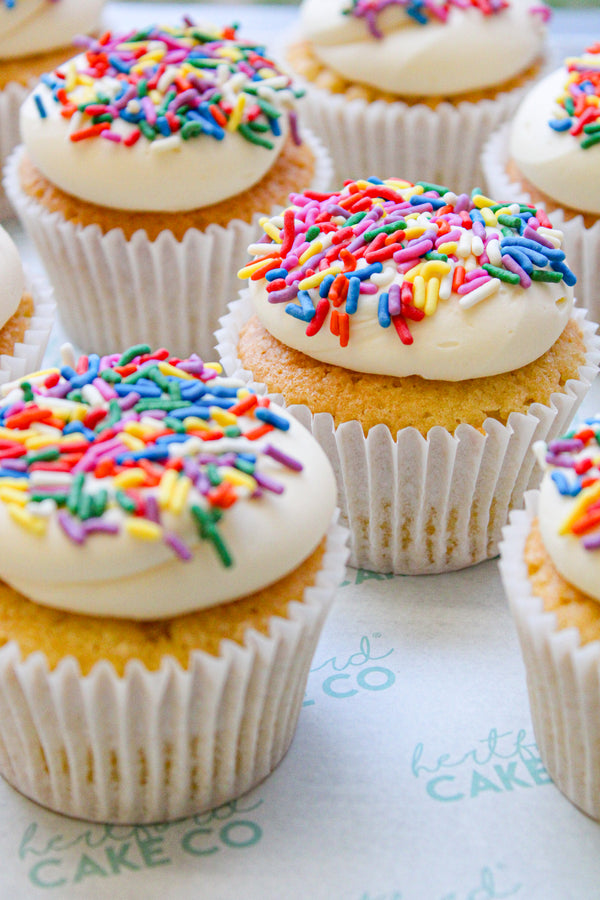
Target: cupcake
146,163
415,87
550,569
26,315
154,657
428,338
550,155
35,36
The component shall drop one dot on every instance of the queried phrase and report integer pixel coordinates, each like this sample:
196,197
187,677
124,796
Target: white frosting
12,278
500,334
579,566
35,26
125,576
467,52
164,176
553,161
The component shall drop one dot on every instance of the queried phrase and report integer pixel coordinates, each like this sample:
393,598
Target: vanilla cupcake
551,572
550,155
428,338
146,165
35,35
170,553
414,87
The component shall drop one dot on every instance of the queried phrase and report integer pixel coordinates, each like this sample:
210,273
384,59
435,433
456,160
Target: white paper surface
413,774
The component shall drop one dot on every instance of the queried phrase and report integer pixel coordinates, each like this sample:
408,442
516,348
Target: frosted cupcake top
555,136
143,486
569,507
12,278
162,118
395,278
34,26
427,47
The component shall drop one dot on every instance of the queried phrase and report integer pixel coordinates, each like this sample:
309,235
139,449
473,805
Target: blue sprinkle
144,390
325,285
374,180
119,64
79,381
521,258
568,276
163,126
476,216
77,427
12,473
564,485
560,124
295,310
157,453
352,296
421,199
276,273
200,412
267,415
40,106
383,311
365,273
172,438
533,253
192,390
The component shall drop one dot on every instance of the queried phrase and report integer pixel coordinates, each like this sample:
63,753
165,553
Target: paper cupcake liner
113,292
155,746
418,505
563,678
27,354
11,98
581,244
442,145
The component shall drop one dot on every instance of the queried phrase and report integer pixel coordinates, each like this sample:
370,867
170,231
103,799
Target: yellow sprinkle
143,529
250,269
37,441
414,232
419,292
587,496
412,273
166,488
315,247
229,53
167,369
449,248
14,495
215,367
489,217
137,429
315,280
236,115
131,442
31,523
409,192
19,484
71,79
272,231
239,479
222,416
68,439
194,423
130,478
479,200
435,268
179,494
20,436
432,296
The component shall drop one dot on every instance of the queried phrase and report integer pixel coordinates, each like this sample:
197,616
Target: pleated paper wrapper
418,505
11,98
563,677
156,746
581,244
113,292
28,354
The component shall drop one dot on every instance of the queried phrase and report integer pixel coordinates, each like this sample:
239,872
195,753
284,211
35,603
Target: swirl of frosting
160,119
12,278
433,49
34,26
555,135
569,505
144,486
398,279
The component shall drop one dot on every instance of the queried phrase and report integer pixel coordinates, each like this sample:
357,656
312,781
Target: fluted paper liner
28,353
563,678
418,505
113,292
581,244
410,141
155,746
11,98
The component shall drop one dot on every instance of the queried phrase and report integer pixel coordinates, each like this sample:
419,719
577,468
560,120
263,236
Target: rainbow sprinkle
575,458
326,250
108,444
580,102
172,84
423,11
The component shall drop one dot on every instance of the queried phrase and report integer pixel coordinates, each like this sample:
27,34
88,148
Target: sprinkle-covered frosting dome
395,278
143,486
427,47
555,136
162,118
34,26
569,506
12,278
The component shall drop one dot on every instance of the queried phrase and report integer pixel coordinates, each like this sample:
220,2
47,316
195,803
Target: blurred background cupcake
551,572
415,87
148,161
35,36
550,154
428,338
170,553
26,315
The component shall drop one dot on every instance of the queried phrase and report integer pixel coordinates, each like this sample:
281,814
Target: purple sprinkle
566,445
99,524
71,527
267,483
592,541
283,458
177,545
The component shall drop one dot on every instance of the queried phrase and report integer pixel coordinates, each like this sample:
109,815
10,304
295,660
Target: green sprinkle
103,117
357,217
590,141
212,473
253,138
191,130
99,502
125,501
174,390
313,232
75,493
545,275
114,414
146,130
159,403
510,221
428,186
385,229
207,530
111,376
142,87
259,127
175,424
232,431
27,391
75,396
434,255
245,465
570,106
592,128
48,455
502,274
132,352
85,507
269,110
40,496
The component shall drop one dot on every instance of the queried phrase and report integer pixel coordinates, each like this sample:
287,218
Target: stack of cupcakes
148,160
35,36
428,338
415,87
